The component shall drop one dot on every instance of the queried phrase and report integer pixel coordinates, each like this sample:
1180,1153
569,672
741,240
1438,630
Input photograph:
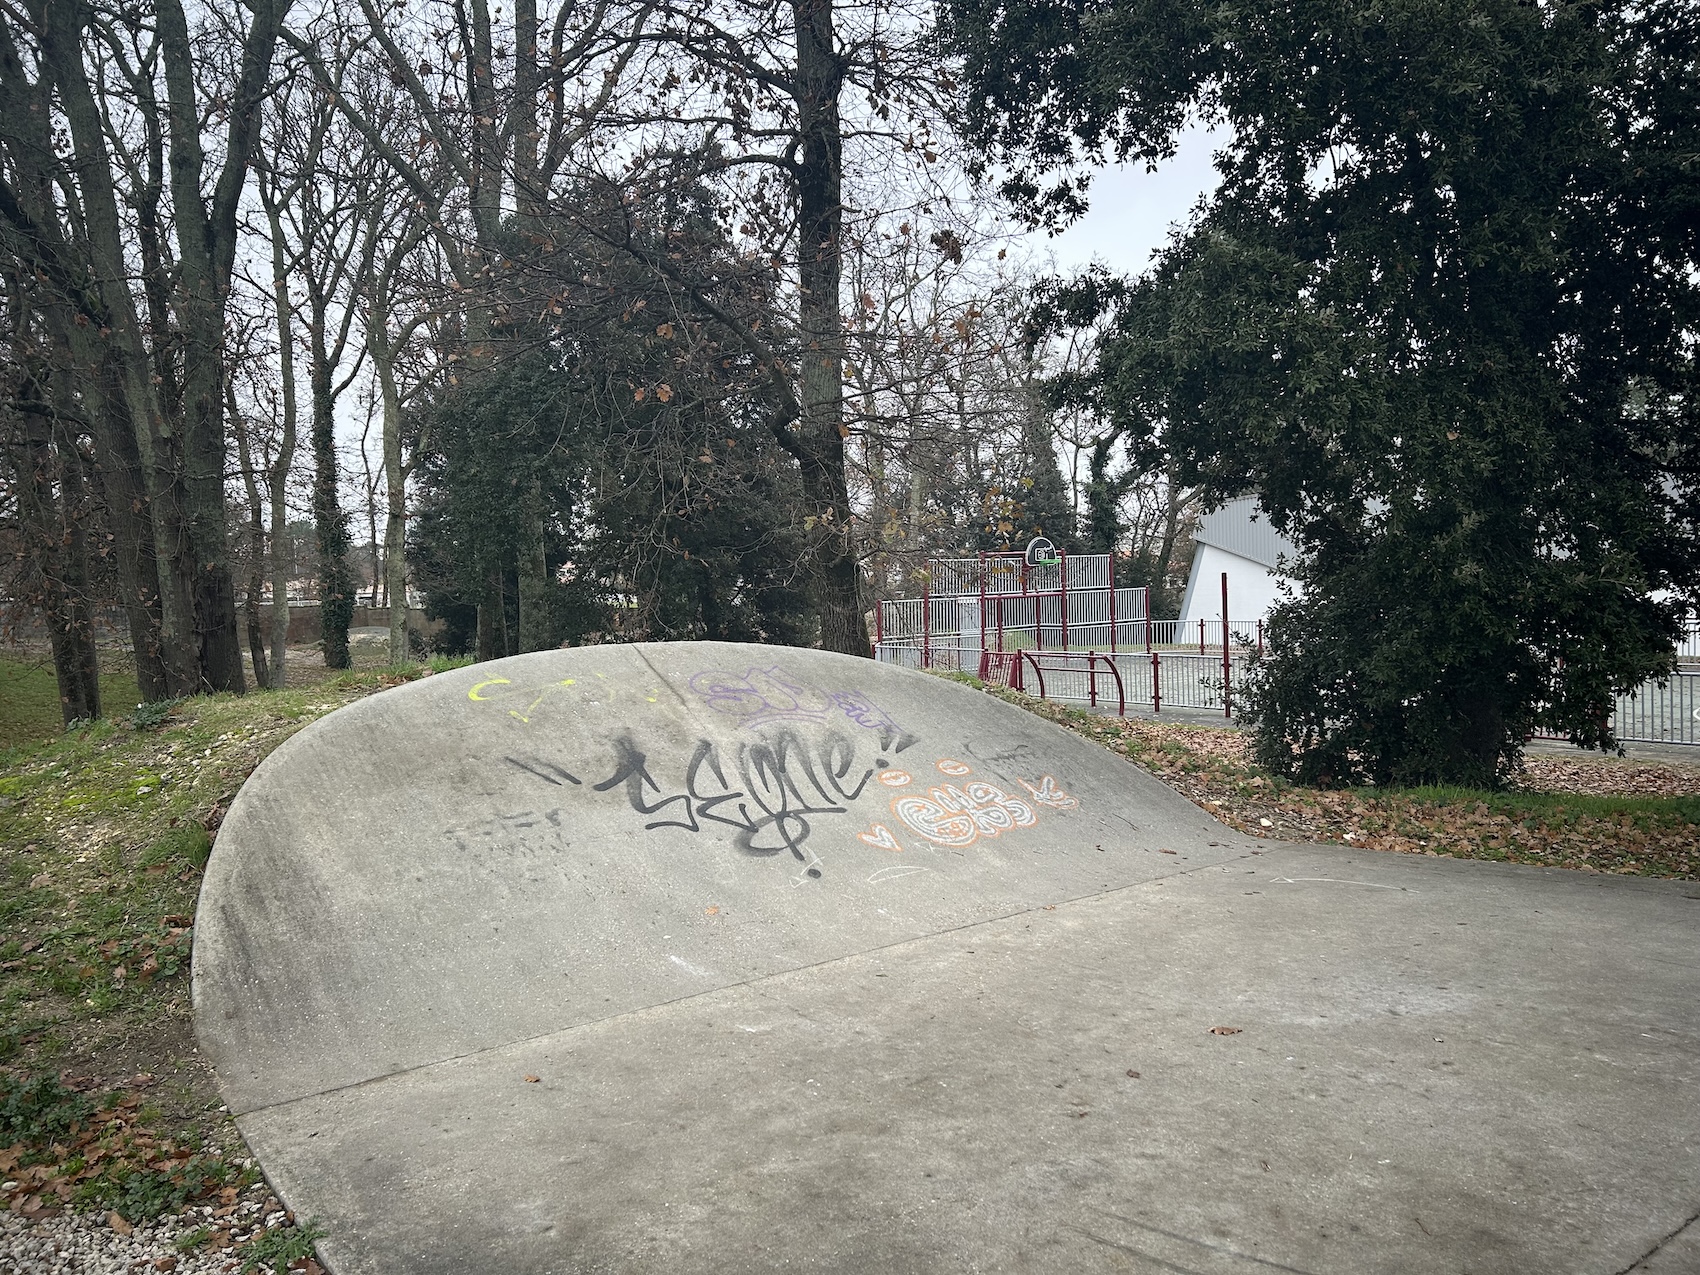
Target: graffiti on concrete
771,791
761,696
959,814
802,758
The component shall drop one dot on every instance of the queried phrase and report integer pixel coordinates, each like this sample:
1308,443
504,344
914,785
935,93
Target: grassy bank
103,1100
29,697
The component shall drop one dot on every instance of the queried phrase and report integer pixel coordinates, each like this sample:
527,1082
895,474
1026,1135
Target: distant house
1237,539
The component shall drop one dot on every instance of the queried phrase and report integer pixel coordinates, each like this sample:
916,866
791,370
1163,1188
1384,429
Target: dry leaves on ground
1619,816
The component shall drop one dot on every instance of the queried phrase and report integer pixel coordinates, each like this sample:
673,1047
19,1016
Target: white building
1237,539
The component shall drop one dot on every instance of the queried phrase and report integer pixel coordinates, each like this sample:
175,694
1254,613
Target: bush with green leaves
1442,315
38,1111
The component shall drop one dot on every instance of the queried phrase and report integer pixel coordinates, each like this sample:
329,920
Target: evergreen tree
1441,315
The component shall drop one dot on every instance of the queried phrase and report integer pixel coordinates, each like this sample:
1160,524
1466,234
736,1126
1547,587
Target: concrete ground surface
704,957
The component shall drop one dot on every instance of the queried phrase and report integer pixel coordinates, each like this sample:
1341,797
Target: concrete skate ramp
701,956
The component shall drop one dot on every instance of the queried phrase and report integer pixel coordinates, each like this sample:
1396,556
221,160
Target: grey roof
1240,527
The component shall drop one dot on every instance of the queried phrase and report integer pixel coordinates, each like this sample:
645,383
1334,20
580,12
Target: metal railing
1159,679
1657,714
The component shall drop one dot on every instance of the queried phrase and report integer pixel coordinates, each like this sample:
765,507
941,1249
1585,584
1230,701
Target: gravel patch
90,1244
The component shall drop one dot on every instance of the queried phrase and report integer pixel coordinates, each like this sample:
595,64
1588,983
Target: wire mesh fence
1655,713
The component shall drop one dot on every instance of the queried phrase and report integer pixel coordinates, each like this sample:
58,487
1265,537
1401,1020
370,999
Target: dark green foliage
274,1250
140,1194
1440,316
153,714
504,434
645,434
38,1112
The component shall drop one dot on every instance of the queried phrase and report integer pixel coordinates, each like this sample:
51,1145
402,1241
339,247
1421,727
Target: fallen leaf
712,911
1132,1074
1225,1031
1168,852
534,1080
116,1222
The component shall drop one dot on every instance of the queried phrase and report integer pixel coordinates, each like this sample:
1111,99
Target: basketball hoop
1042,553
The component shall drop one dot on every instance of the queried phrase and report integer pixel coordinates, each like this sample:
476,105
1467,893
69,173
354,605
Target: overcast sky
1132,210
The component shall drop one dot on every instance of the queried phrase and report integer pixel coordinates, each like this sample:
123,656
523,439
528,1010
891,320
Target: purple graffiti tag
761,696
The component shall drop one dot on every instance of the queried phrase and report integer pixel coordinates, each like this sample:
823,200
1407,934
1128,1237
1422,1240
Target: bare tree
139,172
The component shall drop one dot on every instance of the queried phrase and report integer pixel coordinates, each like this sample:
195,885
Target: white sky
1132,210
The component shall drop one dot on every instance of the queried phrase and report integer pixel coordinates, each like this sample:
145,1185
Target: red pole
1156,688
1092,679
1201,637
1226,666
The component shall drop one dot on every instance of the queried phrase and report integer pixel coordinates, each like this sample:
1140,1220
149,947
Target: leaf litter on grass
1604,814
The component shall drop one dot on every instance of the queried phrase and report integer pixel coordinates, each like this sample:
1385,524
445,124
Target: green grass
1547,805
107,832
29,699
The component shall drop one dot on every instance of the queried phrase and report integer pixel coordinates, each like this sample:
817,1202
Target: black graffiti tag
768,789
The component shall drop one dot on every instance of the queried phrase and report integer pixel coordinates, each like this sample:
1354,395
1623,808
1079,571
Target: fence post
1092,679
981,581
927,622
1156,684
1112,600
1062,597
1226,667
1201,637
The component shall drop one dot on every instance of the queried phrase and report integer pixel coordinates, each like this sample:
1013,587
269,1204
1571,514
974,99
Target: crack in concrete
1653,1252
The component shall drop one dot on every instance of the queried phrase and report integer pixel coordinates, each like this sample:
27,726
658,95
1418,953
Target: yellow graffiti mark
605,693
547,692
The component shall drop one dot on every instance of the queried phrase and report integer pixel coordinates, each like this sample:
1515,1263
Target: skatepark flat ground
1111,1035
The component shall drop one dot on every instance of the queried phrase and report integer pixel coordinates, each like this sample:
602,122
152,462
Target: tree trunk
1165,557
104,301
257,540
821,432
206,234
395,520
80,654
277,478
534,580
330,523
55,546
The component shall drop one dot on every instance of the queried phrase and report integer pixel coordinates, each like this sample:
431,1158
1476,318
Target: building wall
1252,587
